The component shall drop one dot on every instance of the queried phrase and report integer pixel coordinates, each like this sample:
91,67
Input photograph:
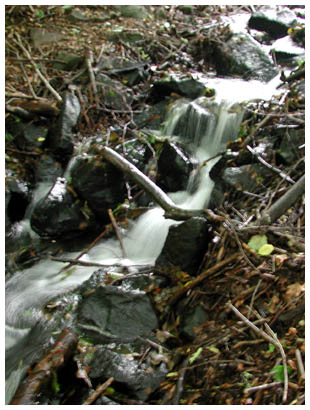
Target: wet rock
190,319
289,151
119,312
59,213
99,183
130,36
174,168
246,177
153,117
136,152
275,23
139,379
60,137
41,36
186,87
68,62
138,12
285,49
28,137
185,245
48,170
113,93
129,72
17,198
241,55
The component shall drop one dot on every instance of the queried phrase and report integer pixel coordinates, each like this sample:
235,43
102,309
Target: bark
41,376
172,210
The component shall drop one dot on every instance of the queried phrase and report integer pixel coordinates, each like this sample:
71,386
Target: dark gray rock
285,49
113,93
185,245
186,87
243,56
28,137
174,168
99,183
59,214
17,198
152,117
138,12
246,177
140,379
191,318
48,169
60,136
275,23
119,312
136,152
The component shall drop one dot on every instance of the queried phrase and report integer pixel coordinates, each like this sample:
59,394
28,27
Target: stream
29,290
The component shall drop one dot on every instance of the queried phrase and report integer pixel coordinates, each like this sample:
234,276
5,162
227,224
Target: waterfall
204,125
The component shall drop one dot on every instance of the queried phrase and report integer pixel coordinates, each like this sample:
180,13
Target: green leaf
67,7
9,137
213,349
278,372
195,355
257,241
40,14
271,348
40,139
266,249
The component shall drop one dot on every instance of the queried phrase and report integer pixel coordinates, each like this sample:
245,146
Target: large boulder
99,183
60,136
241,55
59,213
174,168
185,245
274,22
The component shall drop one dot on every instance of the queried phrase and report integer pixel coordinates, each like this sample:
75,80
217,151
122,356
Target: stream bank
66,182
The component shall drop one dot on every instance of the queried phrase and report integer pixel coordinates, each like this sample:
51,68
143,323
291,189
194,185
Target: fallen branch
84,263
41,376
283,203
203,276
98,392
172,211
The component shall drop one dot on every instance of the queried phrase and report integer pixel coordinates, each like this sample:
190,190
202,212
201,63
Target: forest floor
235,357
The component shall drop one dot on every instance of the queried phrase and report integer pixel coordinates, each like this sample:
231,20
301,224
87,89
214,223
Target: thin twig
85,250
251,325
99,390
280,347
180,383
118,234
47,84
300,364
271,339
84,263
269,166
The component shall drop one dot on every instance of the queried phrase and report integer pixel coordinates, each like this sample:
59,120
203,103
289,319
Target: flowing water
206,125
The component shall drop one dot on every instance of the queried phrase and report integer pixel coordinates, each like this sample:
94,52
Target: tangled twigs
47,84
271,338
283,203
269,166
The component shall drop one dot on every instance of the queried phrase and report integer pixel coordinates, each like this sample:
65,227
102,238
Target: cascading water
205,125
